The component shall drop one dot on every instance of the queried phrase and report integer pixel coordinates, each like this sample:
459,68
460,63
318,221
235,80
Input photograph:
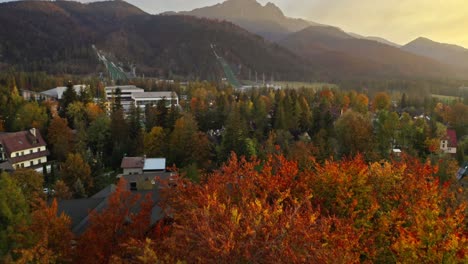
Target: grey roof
462,172
154,164
58,92
122,87
79,209
144,95
148,176
106,192
6,166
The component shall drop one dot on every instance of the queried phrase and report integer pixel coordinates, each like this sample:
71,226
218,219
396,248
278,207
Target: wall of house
27,152
444,146
30,163
132,171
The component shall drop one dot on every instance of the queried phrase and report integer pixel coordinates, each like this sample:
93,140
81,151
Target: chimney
33,132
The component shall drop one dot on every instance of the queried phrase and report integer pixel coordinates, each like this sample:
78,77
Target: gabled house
143,173
448,144
25,149
140,165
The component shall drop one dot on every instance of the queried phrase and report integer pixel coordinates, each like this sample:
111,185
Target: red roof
132,163
13,142
452,137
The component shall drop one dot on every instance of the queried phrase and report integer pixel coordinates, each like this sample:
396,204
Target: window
22,153
22,165
38,149
16,154
133,186
30,151
31,163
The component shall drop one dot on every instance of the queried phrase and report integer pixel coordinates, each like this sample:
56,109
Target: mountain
340,52
378,39
267,21
57,37
445,53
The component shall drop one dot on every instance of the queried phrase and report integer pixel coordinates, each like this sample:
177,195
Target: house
149,180
448,144
25,149
79,209
143,173
140,165
143,99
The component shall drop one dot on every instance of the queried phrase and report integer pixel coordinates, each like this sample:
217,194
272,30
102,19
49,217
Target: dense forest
57,37
292,175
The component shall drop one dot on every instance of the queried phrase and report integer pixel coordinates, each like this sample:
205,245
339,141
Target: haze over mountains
267,21
445,53
57,37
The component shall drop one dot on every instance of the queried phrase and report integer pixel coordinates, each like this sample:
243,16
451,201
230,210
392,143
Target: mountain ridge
361,55
450,54
252,15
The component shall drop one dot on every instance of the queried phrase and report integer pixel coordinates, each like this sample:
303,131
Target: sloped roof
18,141
154,164
79,209
132,163
452,137
58,91
6,166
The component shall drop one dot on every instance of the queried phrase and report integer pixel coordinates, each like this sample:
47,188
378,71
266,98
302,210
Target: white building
152,98
25,149
126,92
52,94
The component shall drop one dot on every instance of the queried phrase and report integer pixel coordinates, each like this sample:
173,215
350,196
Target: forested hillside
57,37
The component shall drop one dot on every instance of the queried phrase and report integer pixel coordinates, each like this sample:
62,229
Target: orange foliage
51,234
93,110
114,226
247,214
339,212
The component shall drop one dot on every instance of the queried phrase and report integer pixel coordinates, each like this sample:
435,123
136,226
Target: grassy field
445,98
299,85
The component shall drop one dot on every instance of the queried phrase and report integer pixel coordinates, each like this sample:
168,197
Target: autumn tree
117,224
186,143
154,142
60,137
75,169
29,115
14,217
51,236
62,191
354,133
31,184
382,101
247,214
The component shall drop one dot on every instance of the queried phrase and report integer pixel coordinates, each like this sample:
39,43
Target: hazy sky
400,21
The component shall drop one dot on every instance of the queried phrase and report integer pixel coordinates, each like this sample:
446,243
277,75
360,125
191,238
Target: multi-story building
124,92
130,94
25,149
152,98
